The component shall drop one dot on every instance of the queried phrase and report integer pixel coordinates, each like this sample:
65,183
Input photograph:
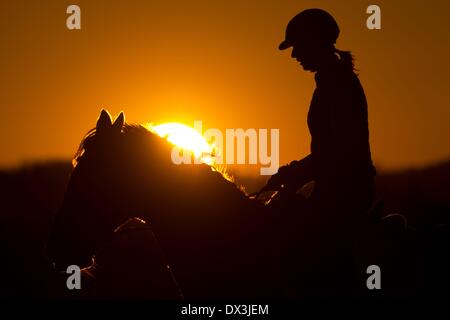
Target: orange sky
216,61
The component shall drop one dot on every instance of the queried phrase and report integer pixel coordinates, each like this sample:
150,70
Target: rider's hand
278,178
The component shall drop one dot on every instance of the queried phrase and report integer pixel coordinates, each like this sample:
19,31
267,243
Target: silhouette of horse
218,242
203,237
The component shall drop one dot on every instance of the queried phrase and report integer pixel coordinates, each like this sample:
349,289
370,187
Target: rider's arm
298,171
304,168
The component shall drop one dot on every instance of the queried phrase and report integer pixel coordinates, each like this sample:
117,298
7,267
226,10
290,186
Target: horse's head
204,223
115,167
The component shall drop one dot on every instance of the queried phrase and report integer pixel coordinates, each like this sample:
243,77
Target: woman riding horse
340,161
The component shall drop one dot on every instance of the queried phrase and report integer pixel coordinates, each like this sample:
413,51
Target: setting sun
185,137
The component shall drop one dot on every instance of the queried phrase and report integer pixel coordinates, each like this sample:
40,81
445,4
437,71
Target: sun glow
186,138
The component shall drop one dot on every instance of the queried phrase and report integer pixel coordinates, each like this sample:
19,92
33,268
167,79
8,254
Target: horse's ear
118,123
104,122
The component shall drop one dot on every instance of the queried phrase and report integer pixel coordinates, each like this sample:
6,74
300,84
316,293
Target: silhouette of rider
340,160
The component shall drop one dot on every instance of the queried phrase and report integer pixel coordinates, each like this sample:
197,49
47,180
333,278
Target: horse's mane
90,136
91,139
132,133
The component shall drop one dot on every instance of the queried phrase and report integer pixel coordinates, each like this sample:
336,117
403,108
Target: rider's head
312,34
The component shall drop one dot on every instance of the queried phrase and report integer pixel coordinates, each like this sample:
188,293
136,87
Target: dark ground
31,194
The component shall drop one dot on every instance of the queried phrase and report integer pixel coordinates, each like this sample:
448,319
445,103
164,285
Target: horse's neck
201,210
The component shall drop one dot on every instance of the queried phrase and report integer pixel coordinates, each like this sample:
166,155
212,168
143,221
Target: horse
204,238
215,241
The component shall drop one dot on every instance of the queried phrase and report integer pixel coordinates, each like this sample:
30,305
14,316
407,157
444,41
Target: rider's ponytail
346,58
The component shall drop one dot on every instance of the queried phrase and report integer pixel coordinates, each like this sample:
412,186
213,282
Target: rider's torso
338,124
